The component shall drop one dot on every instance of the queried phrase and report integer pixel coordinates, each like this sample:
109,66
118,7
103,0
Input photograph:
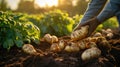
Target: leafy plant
56,23
77,19
111,23
15,29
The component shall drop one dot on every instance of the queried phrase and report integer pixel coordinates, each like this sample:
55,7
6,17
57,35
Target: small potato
104,45
109,30
54,39
61,44
92,44
98,34
100,39
48,38
94,39
109,35
90,54
68,48
82,45
55,48
28,48
75,48
80,34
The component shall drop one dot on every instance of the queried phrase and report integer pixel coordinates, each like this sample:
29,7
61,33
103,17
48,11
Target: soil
46,58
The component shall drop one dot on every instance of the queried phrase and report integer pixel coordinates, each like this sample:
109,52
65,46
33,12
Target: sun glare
44,3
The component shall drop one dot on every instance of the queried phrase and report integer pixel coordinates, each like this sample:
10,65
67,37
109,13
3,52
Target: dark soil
45,58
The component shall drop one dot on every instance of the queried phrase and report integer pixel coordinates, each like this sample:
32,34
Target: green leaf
8,43
19,43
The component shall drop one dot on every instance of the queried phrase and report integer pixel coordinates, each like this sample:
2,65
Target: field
16,30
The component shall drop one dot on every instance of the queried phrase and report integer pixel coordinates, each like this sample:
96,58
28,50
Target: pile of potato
90,45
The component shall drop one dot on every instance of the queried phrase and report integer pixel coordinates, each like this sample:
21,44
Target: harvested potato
28,48
98,34
104,45
68,48
75,48
109,35
92,44
55,48
48,38
82,45
80,34
99,39
90,54
54,39
91,39
72,47
61,44
109,30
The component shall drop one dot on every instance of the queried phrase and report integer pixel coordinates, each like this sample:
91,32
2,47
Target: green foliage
15,29
111,23
77,19
99,28
56,23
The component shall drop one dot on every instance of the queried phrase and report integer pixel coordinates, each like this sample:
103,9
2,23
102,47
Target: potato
80,34
61,44
54,39
90,53
55,48
92,44
75,48
109,35
72,47
90,39
100,39
68,48
48,38
109,30
98,34
28,48
82,45
104,45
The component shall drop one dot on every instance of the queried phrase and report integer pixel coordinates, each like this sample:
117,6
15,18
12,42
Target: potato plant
56,23
15,29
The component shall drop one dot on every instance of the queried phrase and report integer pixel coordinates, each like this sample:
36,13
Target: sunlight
44,3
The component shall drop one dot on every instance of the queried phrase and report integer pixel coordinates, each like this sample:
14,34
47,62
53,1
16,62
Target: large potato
90,54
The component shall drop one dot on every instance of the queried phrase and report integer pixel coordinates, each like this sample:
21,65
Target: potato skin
28,48
50,39
90,54
55,48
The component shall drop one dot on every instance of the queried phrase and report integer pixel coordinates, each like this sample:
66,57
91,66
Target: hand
92,23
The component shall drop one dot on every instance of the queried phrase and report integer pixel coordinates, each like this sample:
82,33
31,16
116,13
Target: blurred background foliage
52,19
